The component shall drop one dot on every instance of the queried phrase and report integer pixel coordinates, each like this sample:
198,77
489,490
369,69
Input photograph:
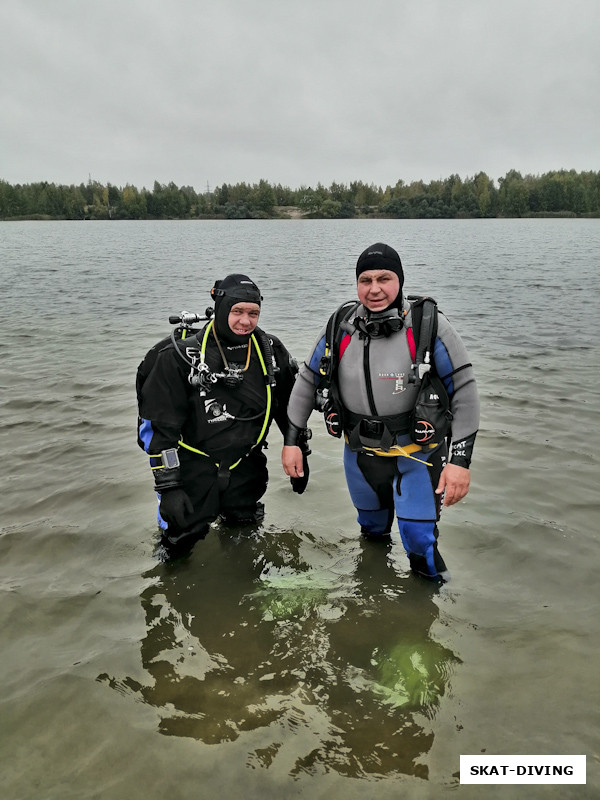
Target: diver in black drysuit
205,441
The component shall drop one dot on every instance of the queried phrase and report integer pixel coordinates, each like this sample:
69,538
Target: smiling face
243,318
377,288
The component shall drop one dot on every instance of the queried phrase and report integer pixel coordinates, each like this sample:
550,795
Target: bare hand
455,481
291,460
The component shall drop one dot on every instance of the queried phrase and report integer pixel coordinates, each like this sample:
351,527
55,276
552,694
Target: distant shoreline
295,213
555,194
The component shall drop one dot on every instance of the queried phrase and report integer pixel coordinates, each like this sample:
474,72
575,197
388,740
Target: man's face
243,318
377,288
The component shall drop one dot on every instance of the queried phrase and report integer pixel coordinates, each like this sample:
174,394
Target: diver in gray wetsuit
391,475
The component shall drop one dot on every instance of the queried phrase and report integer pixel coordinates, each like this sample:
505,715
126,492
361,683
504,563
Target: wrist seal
297,437
462,451
165,479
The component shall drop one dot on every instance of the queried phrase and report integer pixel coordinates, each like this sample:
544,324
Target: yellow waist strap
181,443
397,450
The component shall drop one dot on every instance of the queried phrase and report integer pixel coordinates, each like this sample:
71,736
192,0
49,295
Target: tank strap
397,424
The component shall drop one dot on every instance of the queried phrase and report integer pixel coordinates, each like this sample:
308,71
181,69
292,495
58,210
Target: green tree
133,203
309,200
513,195
484,194
262,197
552,192
330,209
73,202
397,207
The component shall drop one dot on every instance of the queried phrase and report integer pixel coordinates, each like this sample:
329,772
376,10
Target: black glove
299,484
174,506
298,437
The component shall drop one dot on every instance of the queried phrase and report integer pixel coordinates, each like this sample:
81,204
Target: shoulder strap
424,322
334,332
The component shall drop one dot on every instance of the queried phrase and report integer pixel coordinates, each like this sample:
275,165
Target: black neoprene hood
233,289
382,256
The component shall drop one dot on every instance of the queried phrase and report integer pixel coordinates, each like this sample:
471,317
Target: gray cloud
131,91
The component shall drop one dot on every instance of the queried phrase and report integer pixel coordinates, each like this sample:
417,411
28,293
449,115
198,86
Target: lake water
293,660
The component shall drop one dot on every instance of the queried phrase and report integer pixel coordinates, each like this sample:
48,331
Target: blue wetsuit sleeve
314,361
155,437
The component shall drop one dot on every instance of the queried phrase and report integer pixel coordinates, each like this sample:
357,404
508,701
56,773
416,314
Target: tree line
561,193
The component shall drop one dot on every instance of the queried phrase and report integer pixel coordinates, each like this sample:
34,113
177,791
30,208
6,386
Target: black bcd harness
428,423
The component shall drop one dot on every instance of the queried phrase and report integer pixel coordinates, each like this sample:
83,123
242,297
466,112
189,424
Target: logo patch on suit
397,377
215,412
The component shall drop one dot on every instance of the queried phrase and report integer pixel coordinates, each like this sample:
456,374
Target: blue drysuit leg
380,485
418,510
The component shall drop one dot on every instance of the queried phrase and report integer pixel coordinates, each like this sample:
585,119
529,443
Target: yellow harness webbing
267,410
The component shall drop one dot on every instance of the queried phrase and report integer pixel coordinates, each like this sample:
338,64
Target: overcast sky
204,92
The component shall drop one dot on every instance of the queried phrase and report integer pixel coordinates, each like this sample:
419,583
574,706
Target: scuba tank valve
188,318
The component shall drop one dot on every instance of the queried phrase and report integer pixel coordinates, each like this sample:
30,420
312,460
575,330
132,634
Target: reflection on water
281,632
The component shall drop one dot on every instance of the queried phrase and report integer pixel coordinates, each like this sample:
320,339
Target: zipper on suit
367,371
